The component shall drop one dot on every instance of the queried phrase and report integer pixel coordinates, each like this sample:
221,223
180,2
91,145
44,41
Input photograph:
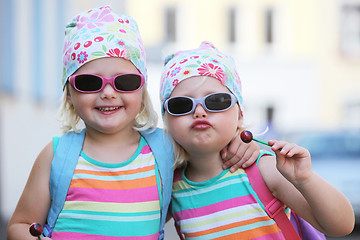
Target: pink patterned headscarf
203,61
99,33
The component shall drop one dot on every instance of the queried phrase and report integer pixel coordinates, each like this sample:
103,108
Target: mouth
107,109
200,124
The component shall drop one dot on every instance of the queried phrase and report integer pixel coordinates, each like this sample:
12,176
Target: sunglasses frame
105,81
196,101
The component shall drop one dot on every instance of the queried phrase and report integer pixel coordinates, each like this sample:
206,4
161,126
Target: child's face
201,131
107,111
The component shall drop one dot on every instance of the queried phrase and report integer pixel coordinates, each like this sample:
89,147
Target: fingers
286,149
233,162
236,147
224,154
244,156
251,160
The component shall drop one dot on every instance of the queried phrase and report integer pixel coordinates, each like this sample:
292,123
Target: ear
144,96
68,94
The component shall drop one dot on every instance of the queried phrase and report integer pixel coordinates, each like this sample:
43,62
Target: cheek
134,101
82,102
229,122
134,97
172,124
176,127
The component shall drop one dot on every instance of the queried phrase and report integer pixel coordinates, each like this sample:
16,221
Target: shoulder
42,164
266,160
269,172
47,154
267,164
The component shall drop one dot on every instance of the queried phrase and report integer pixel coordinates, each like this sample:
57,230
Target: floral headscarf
203,61
99,33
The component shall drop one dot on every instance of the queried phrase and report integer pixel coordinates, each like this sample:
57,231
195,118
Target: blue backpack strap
62,169
162,149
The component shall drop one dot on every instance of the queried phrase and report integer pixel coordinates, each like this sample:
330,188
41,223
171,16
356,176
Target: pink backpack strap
273,206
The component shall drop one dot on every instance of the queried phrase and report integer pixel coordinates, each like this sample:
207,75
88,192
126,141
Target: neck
117,138
203,167
111,148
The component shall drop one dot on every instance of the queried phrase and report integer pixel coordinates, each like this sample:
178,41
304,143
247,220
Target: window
7,47
232,25
170,24
269,26
350,29
37,78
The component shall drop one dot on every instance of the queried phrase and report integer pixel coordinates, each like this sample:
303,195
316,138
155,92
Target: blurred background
299,62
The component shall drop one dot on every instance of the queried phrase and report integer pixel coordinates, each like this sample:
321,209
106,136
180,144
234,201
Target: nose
108,91
199,112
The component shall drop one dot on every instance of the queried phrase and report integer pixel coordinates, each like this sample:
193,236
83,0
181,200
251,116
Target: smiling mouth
108,109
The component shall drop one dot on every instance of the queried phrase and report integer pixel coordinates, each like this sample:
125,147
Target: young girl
202,100
113,179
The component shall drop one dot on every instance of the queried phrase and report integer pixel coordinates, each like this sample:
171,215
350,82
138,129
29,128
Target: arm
34,202
168,214
239,154
290,178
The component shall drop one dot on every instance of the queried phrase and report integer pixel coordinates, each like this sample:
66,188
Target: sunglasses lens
180,105
218,101
88,83
128,82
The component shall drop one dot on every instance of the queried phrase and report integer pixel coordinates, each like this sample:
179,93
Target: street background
299,62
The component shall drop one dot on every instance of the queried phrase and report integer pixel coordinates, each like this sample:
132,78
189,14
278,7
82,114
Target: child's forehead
198,85
108,65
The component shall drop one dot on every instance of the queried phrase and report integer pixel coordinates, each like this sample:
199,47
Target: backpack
67,155
294,228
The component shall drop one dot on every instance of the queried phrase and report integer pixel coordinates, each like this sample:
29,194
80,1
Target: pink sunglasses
91,83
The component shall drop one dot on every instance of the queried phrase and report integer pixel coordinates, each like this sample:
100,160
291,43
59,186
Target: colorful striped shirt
224,207
112,201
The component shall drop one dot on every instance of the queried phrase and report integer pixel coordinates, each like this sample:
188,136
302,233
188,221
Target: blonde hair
180,155
146,119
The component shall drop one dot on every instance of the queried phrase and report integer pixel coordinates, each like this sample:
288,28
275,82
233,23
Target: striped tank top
112,201
224,207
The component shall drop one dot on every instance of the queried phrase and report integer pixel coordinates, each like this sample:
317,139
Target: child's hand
292,161
239,154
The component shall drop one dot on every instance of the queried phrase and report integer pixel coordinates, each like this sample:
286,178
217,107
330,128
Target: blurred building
300,58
